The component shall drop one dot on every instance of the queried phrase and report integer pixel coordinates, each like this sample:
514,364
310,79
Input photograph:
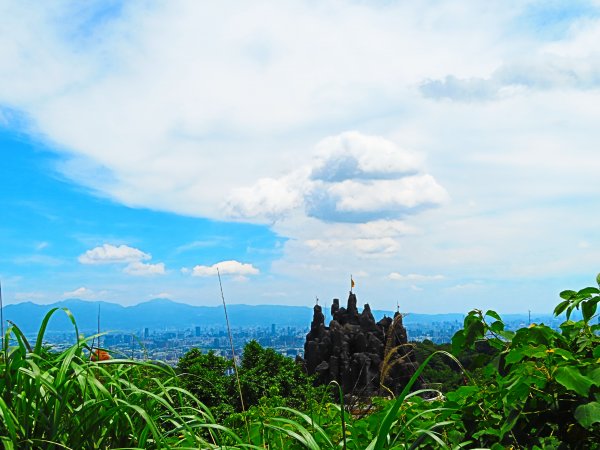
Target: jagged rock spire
356,351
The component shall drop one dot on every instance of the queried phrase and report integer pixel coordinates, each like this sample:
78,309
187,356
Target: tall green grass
64,400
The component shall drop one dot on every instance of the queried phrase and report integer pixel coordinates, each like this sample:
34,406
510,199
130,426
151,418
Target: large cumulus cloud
352,178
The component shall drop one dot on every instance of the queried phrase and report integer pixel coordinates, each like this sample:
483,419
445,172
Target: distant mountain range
167,314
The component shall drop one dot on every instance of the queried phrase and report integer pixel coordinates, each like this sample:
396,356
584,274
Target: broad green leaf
588,309
571,378
493,314
496,343
567,295
563,353
561,307
588,414
508,335
497,326
594,374
473,332
458,341
586,292
514,356
598,279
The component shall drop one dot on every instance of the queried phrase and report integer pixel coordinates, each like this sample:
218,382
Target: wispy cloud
542,74
43,260
231,267
22,296
139,268
41,245
205,243
415,277
81,292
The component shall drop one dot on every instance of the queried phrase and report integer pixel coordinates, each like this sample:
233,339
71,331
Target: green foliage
534,388
65,400
543,382
265,376
205,376
264,373
444,373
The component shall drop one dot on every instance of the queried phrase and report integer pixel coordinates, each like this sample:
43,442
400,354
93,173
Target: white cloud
353,155
225,268
377,246
110,254
359,201
123,254
81,293
476,285
415,277
159,148
269,199
543,73
142,269
354,178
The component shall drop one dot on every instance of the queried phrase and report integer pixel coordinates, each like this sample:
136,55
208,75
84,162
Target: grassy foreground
541,391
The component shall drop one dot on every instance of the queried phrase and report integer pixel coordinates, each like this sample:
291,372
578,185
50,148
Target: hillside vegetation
533,388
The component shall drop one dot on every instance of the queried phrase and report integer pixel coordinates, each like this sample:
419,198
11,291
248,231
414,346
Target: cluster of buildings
169,345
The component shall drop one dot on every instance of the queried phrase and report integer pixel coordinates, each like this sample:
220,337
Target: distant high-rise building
272,328
198,332
146,333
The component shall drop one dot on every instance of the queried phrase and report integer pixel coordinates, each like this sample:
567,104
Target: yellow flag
351,282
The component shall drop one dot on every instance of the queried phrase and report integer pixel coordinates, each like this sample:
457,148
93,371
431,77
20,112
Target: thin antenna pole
529,313
98,325
237,376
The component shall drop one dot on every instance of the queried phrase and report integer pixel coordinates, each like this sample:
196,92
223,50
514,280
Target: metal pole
231,342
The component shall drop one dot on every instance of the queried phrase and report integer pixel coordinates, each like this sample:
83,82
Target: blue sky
444,154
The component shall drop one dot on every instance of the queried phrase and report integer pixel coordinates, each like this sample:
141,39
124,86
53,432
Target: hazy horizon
325,305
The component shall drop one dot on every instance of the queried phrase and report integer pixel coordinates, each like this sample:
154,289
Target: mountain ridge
162,313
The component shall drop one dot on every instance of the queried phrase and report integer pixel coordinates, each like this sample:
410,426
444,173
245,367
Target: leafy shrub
544,386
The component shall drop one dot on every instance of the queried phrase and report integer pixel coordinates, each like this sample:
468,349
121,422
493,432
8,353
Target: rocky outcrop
365,357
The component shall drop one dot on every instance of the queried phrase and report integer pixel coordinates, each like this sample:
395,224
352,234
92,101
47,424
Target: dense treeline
491,388
263,374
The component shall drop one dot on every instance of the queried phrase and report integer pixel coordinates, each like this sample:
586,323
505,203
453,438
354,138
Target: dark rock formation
365,357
